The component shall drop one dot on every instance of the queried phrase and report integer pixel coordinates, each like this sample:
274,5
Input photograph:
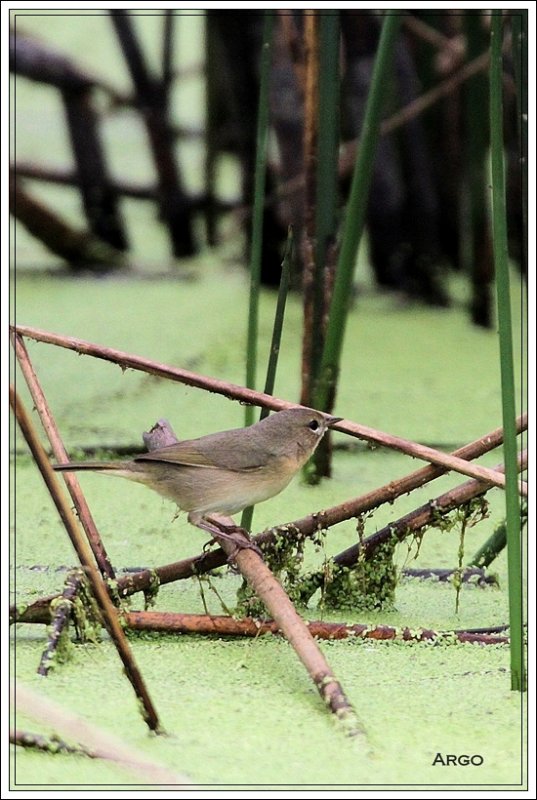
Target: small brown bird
223,473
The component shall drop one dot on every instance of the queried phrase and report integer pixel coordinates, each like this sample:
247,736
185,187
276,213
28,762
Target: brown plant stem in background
433,36
85,556
151,99
321,248
80,248
312,330
241,393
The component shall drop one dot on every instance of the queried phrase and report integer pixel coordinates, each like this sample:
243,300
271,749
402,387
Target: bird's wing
215,454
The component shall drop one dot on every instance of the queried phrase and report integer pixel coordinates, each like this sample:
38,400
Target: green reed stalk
501,261
283,291
324,394
496,542
279,314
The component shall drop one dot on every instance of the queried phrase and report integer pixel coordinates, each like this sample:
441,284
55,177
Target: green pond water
242,712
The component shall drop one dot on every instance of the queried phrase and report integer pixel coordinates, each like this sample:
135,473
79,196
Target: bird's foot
241,544
232,533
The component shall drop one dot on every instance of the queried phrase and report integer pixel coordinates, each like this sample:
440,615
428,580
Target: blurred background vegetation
180,91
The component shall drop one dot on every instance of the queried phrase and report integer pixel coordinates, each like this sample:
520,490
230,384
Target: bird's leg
225,527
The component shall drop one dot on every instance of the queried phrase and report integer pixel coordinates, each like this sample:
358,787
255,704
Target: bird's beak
332,420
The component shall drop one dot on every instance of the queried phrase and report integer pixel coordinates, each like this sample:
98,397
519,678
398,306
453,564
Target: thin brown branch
170,622
60,454
397,120
66,177
85,556
241,393
424,101
419,518
94,742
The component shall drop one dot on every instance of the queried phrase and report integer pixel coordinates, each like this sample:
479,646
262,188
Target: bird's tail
98,466
121,469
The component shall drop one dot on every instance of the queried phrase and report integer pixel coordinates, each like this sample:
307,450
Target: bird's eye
313,425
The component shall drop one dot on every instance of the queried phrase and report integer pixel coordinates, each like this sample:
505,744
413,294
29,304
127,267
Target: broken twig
278,604
93,741
60,618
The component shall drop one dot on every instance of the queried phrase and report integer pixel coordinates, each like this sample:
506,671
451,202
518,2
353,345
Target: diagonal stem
243,394
60,453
